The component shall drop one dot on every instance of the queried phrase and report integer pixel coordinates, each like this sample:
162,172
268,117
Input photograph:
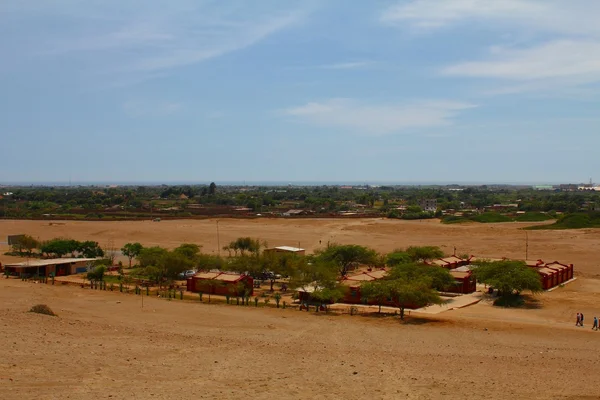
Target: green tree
151,256
131,251
90,249
190,251
378,292
509,277
344,256
97,274
245,245
283,264
59,247
415,294
324,295
398,257
209,261
439,278
212,188
27,243
424,253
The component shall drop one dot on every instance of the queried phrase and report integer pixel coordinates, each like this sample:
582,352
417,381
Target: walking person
578,320
581,319
595,327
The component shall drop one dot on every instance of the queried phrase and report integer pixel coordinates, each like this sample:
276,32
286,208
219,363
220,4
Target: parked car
187,274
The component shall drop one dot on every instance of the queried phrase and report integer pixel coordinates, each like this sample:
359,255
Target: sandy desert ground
104,345
579,247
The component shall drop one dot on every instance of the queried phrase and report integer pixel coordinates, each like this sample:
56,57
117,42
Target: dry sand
103,344
579,247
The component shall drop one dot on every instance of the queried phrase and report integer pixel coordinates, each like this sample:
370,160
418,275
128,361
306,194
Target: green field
573,221
493,217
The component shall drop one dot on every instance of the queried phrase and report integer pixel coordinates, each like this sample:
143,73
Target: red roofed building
221,283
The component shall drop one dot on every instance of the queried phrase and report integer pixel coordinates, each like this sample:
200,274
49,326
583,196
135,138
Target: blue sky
317,90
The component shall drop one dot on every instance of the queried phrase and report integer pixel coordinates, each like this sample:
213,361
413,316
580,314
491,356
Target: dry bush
42,309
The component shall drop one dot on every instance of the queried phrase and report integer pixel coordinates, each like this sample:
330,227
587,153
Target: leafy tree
190,251
90,249
245,244
59,247
27,243
509,277
398,257
330,293
439,277
283,264
97,274
173,263
415,293
347,255
424,253
378,292
212,188
151,256
131,251
208,262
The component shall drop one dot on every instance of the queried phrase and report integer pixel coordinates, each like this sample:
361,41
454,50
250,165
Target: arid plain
105,345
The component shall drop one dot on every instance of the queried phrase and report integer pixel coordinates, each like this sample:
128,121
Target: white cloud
378,118
563,39
131,37
557,59
558,16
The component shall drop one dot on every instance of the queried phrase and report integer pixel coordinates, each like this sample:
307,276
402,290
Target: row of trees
58,247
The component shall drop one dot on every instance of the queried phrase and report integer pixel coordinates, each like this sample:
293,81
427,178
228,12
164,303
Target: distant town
450,203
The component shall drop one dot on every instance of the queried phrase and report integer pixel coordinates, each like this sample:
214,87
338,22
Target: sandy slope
104,345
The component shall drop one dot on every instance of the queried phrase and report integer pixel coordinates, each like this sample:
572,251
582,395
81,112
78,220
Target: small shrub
42,309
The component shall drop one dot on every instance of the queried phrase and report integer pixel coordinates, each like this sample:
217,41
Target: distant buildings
428,205
50,267
285,249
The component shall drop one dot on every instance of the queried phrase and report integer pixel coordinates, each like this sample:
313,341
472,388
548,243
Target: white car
187,274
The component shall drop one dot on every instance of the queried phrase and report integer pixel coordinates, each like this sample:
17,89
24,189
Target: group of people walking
580,321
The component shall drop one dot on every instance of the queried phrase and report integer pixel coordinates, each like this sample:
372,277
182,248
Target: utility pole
218,240
526,245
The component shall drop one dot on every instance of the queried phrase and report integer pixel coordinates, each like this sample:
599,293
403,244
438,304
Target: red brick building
221,283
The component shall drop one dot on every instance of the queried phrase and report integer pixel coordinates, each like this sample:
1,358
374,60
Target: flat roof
464,268
460,275
546,271
52,261
288,248
219,276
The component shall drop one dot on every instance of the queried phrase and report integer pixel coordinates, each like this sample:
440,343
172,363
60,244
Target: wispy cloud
558,59
562,50
557,16
378,118
127,38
